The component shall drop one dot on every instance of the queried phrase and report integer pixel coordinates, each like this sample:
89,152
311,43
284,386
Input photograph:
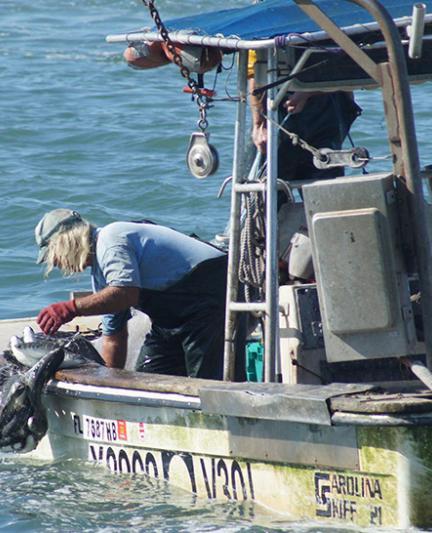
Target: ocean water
79,129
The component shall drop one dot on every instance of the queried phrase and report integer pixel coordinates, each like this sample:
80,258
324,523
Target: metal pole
285,87
232,43
271,281
235,43
416,31
234,233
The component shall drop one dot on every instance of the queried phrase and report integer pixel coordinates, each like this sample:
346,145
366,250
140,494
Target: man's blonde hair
70,249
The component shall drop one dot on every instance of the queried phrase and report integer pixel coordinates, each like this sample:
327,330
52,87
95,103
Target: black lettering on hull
221,467
206,480
188,461
123,462
236,472
77,425
150,460
111,460
137,463
333,493
236,481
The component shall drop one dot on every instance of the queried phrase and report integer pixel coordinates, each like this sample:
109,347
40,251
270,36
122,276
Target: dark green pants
188,319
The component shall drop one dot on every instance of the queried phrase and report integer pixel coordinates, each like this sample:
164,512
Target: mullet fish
28,365
29,348
23,420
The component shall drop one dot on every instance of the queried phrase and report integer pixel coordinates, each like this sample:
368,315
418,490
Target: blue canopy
270,18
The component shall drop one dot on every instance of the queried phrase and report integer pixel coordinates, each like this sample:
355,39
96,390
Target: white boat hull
348,474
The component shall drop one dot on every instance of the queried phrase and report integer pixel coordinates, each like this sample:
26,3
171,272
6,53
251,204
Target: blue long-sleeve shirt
148,256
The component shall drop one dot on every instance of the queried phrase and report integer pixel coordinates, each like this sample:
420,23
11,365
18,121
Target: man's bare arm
108,300
114,348
259,127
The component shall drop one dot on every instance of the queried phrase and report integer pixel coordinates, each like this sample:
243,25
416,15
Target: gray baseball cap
52,223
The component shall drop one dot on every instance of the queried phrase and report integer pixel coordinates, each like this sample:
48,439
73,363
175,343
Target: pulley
201,157
355,158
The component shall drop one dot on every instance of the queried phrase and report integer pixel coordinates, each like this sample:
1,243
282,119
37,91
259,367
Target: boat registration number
101,429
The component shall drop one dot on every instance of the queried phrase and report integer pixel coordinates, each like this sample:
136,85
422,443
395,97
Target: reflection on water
77,496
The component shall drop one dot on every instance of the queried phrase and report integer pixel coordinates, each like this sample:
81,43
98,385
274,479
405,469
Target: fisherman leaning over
179,281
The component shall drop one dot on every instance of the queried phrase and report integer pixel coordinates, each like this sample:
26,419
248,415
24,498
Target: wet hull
366,475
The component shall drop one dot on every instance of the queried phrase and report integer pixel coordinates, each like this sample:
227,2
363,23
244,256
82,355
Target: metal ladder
270,306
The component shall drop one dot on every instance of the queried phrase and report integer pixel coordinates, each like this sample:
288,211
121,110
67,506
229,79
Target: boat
335,424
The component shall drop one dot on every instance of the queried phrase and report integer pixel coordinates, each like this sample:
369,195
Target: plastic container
254,361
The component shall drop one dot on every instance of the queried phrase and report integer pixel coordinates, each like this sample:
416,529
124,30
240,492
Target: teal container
254,361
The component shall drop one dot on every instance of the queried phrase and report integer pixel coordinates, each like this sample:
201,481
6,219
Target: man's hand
259,136
294,104
55,315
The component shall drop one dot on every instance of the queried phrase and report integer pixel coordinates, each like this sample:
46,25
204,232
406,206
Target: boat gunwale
120,395
382,420
80,391
103,384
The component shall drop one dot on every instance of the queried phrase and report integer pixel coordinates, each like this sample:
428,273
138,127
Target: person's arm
108,300
114,348
294,104
259,126
111,300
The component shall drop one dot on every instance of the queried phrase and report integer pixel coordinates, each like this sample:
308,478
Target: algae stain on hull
419,441
404,455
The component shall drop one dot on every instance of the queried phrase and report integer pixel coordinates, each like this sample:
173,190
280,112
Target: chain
201,99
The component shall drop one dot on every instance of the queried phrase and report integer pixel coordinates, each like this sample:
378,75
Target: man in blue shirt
179,281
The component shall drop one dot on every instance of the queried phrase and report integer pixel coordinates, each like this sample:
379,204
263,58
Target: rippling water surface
80,129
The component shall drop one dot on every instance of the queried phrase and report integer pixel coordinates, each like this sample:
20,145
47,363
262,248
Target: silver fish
29,348
23,420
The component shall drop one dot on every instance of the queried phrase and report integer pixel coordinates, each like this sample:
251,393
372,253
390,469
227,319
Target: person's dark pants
188,321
